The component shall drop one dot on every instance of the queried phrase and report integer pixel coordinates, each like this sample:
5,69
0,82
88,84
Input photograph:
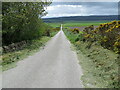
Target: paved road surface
56,66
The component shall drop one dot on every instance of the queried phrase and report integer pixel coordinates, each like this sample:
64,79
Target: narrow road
56,66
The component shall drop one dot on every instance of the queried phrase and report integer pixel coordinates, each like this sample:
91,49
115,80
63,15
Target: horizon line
77,16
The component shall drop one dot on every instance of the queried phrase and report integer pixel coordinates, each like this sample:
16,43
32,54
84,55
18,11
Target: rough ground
56,66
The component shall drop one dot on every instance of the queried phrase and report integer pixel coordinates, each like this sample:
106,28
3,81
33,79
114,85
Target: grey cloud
88,8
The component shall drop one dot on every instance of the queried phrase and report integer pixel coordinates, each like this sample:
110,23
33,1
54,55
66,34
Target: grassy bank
10,59
100,65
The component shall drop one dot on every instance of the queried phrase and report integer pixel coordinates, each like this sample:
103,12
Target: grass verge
10,59
100,66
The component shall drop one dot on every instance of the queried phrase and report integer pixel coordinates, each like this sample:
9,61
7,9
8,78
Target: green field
78,24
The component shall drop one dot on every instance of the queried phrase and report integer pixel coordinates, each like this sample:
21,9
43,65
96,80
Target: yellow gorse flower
88,35
117,44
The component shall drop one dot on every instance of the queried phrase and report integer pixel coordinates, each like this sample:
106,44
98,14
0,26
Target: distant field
78,24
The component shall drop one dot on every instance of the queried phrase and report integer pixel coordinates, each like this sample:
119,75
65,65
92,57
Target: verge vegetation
99,54
23,31
10,59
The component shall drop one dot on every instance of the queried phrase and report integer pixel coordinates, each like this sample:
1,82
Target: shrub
107,34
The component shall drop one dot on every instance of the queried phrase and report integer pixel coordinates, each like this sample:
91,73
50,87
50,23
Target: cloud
81,9
64,10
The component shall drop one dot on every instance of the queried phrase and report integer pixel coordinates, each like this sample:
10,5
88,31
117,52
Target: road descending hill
56,66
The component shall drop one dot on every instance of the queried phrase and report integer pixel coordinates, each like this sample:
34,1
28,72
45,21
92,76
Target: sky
85,0
81,8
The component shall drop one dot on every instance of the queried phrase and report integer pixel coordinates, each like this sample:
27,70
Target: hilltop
81,18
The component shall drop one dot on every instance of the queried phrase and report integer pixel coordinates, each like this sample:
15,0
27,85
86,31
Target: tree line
22,21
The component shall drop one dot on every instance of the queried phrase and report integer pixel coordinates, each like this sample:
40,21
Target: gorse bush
108,35
75,30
